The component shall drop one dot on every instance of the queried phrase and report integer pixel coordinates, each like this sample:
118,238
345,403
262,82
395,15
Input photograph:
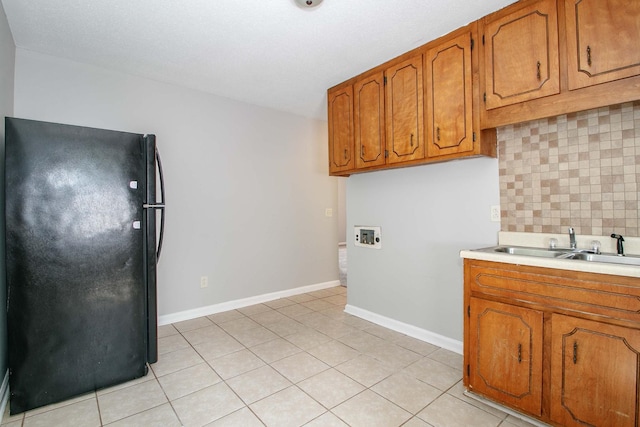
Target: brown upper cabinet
340,106
369,120
521,54
603,40
404,110
449,97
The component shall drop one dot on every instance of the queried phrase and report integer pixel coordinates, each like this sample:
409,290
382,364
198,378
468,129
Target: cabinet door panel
369,121
404,111
521,55
449,103
603,37
340,105
594,373
506,353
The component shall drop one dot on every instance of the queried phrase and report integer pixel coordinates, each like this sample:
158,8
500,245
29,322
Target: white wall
427,214
247,187
7,56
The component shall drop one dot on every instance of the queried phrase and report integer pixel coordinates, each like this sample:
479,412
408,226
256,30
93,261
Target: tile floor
297,361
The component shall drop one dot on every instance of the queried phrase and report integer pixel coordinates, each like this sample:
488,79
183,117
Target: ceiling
270,53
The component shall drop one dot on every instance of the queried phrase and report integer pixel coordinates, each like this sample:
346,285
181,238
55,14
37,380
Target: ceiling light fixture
306,4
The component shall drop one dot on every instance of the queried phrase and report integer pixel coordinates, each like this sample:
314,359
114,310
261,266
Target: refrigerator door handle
161,204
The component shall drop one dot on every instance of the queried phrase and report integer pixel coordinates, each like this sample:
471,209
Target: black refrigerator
81,252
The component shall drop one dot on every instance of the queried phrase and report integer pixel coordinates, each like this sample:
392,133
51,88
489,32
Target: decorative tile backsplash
580,170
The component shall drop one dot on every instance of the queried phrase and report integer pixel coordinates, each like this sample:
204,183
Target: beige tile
364,369
407,392
361,341
288,408
189,325
512,421
286,327
171,343
307,338
449,411
434,373
16,423
339,300
416,345
234,364
207,405
331,387
326,420
254,336
333,352
225,316
275,350
241,418
83,413
416,422
300,298
458,392
130,401
166,330
368,409
317,305
295,311
299,367
219,347
42,409
268,317
279,303
175,361
254,309
335,329
149,377
162,415
237,325
447,357
258,384
393,357
188,380
205,334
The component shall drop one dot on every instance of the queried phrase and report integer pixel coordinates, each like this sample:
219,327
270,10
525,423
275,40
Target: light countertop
541,240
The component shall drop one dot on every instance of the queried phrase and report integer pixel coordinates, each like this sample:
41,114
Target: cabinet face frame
369,121
521,54
340,127
404,110
603,39
449,102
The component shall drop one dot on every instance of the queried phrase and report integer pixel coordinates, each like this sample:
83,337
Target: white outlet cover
495,213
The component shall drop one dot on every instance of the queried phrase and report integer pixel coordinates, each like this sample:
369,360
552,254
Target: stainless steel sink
536,252
568,254
607,258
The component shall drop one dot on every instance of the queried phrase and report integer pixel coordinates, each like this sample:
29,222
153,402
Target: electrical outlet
495,213
328,212
204,281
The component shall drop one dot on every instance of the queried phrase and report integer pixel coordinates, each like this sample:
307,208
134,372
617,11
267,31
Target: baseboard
240,303
405,328
4,392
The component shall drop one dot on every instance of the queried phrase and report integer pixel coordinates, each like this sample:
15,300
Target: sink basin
537,252
610,259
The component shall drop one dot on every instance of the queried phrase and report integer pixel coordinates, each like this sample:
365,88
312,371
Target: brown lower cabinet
560,346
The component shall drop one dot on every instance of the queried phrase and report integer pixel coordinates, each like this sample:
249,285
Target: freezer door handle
153,206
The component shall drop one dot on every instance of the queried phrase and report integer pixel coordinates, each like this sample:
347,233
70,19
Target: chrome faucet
572,238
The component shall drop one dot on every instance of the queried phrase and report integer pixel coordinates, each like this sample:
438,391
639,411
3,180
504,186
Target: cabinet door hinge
472,43
484,97
474,137
468,311
468,370
483,40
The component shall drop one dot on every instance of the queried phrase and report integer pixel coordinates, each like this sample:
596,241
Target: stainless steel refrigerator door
76,276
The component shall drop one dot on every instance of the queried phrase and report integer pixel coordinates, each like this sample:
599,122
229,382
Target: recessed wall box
367,236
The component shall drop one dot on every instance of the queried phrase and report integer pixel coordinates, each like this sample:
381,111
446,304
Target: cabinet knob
575,352
345,154
411,140
589,55
538,73
438,133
